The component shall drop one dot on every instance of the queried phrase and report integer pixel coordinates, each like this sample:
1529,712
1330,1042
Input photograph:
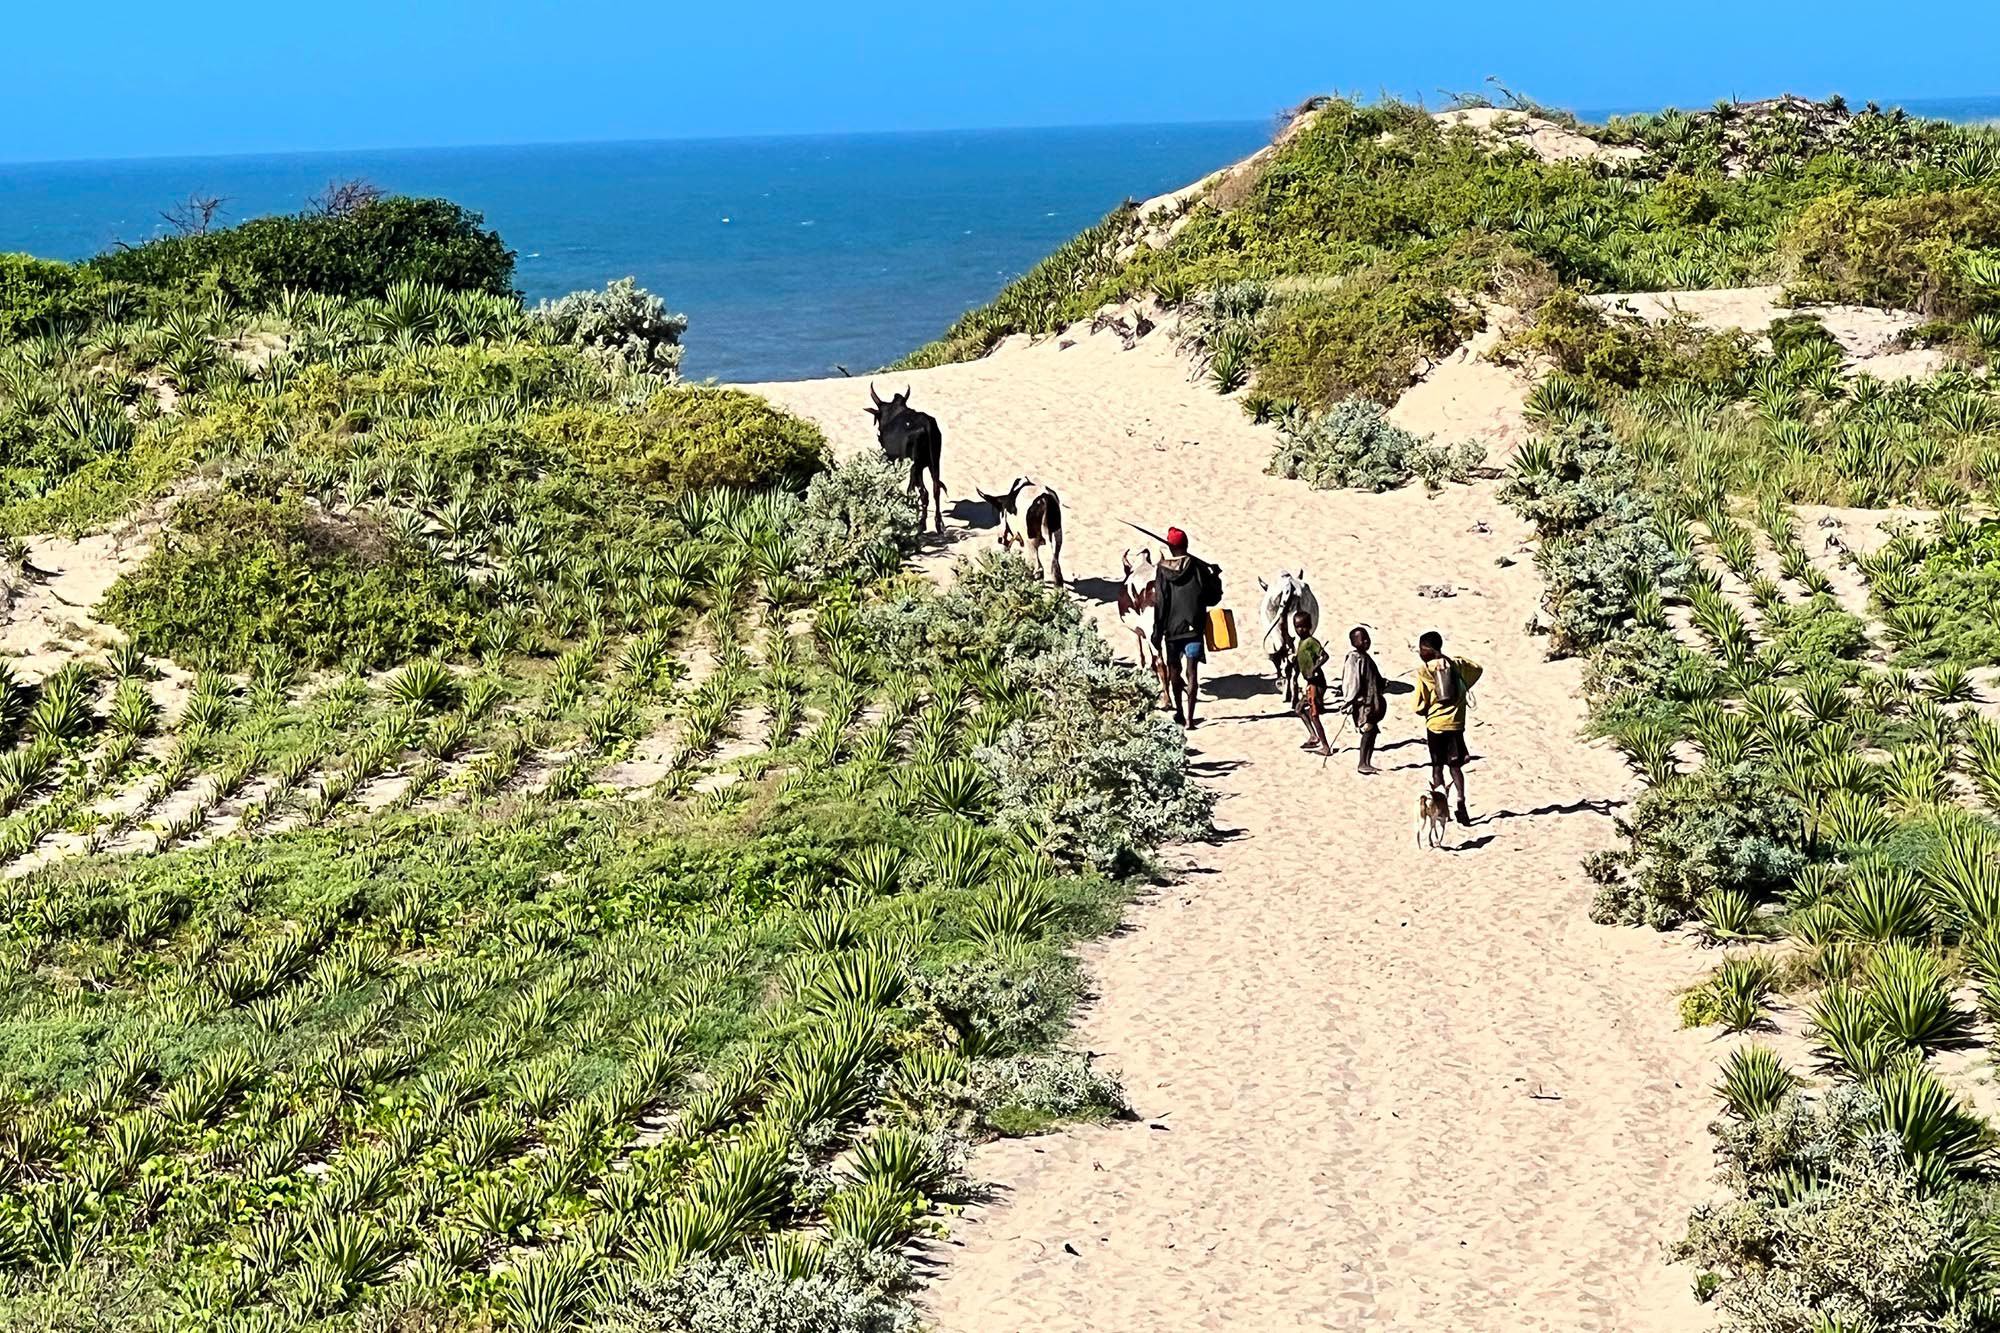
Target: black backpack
1211,583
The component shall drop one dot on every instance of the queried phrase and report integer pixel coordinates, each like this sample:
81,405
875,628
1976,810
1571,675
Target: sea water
790,256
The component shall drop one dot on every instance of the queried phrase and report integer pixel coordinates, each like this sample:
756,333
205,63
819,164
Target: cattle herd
1031,518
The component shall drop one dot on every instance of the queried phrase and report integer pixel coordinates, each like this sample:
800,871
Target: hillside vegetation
527,856
1807,697
1371,240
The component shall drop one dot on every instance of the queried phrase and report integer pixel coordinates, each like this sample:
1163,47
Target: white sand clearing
1869,335
1470,396
1542,137
1378,1086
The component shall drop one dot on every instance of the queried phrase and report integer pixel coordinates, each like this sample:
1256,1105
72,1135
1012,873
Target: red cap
1176,539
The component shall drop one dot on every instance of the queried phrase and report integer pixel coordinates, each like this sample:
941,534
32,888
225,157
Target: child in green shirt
1311,659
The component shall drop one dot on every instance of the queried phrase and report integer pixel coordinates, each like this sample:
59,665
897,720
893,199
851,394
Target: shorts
1194,650
1447,747
1364,718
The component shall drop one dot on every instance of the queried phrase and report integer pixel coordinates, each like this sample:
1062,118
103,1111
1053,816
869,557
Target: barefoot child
1361,693
1311,658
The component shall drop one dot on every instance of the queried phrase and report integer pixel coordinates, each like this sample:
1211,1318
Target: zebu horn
874,397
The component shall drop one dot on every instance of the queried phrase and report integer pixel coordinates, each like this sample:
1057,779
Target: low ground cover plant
533,862
1803,786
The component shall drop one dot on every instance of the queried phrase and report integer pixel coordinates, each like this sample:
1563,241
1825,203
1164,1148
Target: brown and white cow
1136,595
1031,515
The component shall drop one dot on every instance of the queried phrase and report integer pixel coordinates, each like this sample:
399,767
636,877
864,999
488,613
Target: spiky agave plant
1963,873
876,870
1754,1082
869,979
1916,779
64,708
1851,821
1910,997
1883,902
957,855
1939,1135
1729,914
1846,1033
1951,683
425,686
1016,910
875,1216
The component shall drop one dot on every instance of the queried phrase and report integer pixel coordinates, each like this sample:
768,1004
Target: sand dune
1379,1087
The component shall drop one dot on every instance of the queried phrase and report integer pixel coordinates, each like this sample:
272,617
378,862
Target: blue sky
123,79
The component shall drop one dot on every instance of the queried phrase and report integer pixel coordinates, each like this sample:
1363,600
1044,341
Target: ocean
790,256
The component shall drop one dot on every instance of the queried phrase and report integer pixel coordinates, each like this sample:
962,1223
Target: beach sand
1377,1085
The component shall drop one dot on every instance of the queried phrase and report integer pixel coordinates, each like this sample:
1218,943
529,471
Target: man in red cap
1185,588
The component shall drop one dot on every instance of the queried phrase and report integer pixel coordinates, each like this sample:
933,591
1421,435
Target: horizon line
1587,114
622,142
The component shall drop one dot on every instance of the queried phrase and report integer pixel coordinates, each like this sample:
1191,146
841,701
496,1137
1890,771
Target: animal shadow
1096,589
975,514
1238,685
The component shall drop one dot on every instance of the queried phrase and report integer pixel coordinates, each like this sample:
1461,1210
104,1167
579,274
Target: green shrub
999,1003
846,1293
235,574
1714,828
1909,252
1864,1246
1632,676
690,437
1354,446
1096,776
1586,342
1947,614
358,253
1370,337
859,516
1592,582
1023,1094
40,295
1798,333
995,610
624,328
1817,636
1602,553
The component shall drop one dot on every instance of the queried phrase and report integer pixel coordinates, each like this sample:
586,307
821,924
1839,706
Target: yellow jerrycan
1221,635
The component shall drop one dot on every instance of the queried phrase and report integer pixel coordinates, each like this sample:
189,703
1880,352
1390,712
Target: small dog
1433,815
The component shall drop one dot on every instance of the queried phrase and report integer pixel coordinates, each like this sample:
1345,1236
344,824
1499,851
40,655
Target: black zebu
905,432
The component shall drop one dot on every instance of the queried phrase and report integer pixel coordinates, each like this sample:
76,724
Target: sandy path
1379,1087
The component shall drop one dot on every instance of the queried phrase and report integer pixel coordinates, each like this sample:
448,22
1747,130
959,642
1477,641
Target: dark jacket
1178,611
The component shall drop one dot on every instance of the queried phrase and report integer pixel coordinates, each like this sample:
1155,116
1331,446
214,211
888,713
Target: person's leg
1193,683
1314,723
1367,732
1458,786
1170,672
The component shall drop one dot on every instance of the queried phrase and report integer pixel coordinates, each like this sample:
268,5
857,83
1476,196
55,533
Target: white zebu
1136,596
1286,594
